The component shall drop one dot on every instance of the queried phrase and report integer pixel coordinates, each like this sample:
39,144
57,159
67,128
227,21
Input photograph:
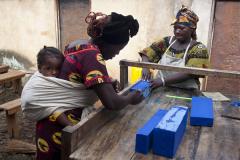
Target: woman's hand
135,97
146,74
155,83
116,85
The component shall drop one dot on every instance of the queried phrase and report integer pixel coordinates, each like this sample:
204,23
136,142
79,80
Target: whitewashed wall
155,17
26,25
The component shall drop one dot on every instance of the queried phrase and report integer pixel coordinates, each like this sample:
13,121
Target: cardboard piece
216,96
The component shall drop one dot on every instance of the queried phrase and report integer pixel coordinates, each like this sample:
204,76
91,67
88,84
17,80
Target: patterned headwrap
186,17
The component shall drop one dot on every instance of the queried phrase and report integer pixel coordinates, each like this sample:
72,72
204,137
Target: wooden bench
13,76
3,68
11,108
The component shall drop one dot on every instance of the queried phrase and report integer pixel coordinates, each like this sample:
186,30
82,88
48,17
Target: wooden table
115,139
14,77
111,135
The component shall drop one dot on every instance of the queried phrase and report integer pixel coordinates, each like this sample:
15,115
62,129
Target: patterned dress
197,55
83,64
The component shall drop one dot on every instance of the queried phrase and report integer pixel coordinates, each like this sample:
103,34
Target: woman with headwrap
84,65
182,49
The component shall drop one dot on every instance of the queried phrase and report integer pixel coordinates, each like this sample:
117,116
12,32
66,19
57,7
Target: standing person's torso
175,55
84,64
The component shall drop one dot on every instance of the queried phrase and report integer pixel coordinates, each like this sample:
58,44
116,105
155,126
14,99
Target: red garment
48,135
84,64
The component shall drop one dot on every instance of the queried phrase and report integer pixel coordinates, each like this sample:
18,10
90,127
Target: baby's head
49,61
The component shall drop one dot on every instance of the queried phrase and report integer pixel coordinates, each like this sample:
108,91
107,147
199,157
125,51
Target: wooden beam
190,70
72,135
210,38
18,146
3,68
11,108
11,75
123,76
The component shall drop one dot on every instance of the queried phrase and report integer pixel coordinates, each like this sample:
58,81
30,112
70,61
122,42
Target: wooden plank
231,112
116,139
17,87
11,75
3,69
190,70
11,107
18,146
123,76
222,141
210,38
12,127
73,135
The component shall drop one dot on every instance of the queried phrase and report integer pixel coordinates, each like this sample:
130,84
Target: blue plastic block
167,135
235,103
143,86
202,112
144,134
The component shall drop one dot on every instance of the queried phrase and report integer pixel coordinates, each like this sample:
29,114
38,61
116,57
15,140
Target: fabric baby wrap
41,96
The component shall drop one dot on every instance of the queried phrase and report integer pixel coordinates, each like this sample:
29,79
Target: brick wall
225,53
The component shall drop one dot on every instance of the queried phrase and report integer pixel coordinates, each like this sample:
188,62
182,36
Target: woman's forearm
111,100
176,78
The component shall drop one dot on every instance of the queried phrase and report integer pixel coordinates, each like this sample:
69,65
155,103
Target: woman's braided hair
113,29
48,51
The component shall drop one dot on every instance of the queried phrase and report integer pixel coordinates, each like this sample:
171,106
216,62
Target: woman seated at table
180,50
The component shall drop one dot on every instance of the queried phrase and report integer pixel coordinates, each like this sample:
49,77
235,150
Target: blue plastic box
167,135
144,135
202,112
143,86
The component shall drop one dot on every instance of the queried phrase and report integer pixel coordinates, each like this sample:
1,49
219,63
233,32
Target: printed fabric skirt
48,135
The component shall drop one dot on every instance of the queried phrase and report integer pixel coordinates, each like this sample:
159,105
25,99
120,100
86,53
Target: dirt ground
27,129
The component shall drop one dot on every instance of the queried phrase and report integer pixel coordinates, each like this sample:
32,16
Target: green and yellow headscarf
186,17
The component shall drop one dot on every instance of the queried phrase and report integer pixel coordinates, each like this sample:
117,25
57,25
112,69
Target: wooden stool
11,108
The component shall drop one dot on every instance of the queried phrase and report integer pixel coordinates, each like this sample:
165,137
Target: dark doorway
72,24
